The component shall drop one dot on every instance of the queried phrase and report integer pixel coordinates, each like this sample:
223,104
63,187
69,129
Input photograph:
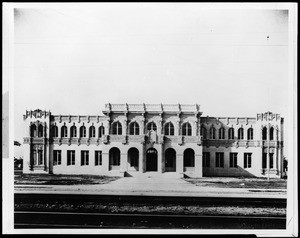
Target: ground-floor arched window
189,159
133,158
114,158
170,160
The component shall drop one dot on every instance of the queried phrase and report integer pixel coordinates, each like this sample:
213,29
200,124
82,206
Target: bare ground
227,182
55,179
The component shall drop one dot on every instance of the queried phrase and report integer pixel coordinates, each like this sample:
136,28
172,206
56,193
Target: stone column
142,130
159,159
51,158
179,163
124,129
275,161
159,127
177,128
105,162
142,154
123,161
107,128
198,165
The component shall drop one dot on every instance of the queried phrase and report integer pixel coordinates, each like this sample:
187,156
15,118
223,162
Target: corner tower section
36,141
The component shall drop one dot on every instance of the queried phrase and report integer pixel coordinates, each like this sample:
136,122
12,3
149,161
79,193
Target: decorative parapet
116,138
270,143
190,139
36,114
268,116
136,138
158,108
36,140
231,143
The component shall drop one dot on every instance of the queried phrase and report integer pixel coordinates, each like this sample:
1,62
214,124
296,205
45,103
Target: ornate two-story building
141,139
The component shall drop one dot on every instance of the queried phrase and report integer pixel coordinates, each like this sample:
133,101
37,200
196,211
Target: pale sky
73,60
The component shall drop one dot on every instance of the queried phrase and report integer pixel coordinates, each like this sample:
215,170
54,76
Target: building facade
141,139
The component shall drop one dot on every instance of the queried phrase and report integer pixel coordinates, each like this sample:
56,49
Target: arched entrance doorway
151,160
133,159
114,158
189,160
170,160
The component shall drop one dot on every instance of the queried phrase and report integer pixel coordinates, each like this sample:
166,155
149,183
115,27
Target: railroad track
30,212
153,200
71,220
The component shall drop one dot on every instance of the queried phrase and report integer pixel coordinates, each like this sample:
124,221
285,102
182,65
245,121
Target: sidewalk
153,187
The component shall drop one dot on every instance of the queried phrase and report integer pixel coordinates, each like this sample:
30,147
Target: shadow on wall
221,141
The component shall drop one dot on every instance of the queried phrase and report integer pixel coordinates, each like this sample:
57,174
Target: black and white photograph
150,118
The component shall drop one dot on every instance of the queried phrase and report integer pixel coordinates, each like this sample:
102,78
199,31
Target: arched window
92,132
186,129
33,130
134,128
117,128
151,126
82,131
114,158
212,133
40,131
231,133
271,133
54,131
101,131
204,132
64,131
222,133
73,131
264,133
241,134
250,134
169,129
189,158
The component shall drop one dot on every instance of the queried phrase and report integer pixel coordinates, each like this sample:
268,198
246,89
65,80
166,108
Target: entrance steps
153,174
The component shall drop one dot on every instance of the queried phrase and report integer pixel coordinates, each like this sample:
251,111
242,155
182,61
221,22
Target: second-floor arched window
134,128
151,126
186,129
33,130
169,129
212,133
222,133
231,133
264,133
40,131
250,134
101,131
203,132
240,133
271,133
117,128
64,131
92,132
82,131
73,131
54,131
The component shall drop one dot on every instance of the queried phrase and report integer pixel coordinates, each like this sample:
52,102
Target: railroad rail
34,217
144,199
142,221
